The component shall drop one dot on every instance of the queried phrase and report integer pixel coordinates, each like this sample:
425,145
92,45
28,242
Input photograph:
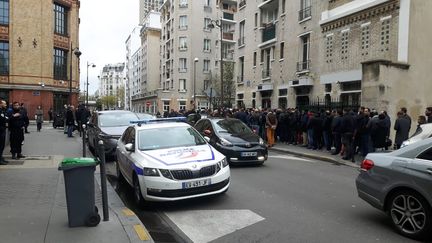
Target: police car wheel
139,199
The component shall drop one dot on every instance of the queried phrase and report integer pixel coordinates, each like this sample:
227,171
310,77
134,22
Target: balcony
303,66
228,36
269,32
183,48
182,69
301,82
228,55
228,16
266,73
242,3
305,13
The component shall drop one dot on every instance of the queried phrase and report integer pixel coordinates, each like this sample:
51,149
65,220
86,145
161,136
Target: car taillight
367,164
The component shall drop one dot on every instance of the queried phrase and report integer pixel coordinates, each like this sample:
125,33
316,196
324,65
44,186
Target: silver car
422,132
400,184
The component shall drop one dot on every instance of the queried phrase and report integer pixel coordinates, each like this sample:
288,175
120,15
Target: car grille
244,145
188,174
190,191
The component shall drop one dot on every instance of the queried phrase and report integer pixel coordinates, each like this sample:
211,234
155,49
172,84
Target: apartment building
133,66
112,82
37,53
144,96
146,6
191,51
277,52
375,52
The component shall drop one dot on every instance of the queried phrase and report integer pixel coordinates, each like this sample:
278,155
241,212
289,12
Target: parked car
234,139
165,160
145,116
423,132
108,126
400,184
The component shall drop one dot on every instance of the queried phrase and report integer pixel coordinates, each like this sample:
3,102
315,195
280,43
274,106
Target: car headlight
261,141
166,174
224,162
151,172
225,142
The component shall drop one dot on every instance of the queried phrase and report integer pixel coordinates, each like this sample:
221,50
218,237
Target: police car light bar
172,119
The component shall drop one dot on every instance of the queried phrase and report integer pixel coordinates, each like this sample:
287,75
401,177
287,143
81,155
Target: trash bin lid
68,163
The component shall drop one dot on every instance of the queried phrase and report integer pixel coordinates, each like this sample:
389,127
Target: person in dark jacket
70,120
402,127
26,118
327,130
336,128
16,128
378,128
3,121
347,131
428,114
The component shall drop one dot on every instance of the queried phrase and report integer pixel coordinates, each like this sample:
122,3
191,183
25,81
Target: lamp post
194,85
77,53
87,83
212,25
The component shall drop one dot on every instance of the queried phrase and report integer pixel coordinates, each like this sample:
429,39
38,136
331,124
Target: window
182,105
166,105
4,58
256,19
240,78
182,85
365,38
283,6
60,19
207,3
241,40
60,64
183,22
207,21
344,44
329,48
254,58
304,63
305,9
183,4
385,33
183,43
206,84
206,67
182,65
427,155
172,84
4,12
207,43
282,49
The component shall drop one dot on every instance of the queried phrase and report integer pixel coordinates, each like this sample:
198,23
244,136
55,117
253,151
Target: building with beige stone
37,39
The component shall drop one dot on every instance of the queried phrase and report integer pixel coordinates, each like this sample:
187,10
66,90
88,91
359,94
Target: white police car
167,160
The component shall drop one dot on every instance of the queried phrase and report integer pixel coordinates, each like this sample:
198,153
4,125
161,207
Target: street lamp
87,84
194,90
77,53
212,25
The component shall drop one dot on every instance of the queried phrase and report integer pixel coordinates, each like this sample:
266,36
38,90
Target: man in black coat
70,120
402,127
16,128
26,118
347,131
336,127
428,114
327,131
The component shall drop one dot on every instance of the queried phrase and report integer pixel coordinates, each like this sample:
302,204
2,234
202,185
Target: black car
234,139
108,126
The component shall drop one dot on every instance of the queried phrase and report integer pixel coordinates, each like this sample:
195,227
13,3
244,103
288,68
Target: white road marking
290,158
207,225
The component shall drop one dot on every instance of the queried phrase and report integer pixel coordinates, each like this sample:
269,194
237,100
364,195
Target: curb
132,225
313,156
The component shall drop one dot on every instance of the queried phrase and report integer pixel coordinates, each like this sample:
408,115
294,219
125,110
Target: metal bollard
103,180
84,140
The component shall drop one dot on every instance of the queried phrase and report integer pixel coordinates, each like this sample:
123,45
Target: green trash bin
80,194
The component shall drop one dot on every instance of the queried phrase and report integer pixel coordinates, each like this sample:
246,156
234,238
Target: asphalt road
288,199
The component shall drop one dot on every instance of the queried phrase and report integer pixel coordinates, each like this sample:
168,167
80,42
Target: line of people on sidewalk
75,118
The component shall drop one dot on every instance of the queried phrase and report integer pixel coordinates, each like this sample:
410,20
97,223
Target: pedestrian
428,114
39,118
420,121
65,109
3,122
378,131
271,125
50,114
347,130
26,118
327,130
70,121
336,128
16,128
406,116
402,127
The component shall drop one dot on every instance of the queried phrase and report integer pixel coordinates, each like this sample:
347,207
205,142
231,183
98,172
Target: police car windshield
116,119
161,138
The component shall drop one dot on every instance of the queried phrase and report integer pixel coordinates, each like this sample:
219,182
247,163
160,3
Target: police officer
16,128
3,121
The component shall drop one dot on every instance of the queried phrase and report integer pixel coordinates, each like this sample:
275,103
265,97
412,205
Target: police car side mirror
130,147
207,139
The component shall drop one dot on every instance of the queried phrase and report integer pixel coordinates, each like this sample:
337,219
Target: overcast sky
105,25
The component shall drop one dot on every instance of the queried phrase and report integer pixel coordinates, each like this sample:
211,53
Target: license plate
249,154
192,184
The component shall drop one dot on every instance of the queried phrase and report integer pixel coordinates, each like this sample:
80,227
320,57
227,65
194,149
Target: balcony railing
228,36
266,73
183,48
242,3
241,41
303,66
305,13
229,55
182,69
183,5
269,32
228,16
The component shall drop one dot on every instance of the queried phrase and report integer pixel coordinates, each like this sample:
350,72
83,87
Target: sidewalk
321,155
33,201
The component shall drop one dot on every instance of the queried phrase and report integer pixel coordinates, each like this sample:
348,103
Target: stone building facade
35,53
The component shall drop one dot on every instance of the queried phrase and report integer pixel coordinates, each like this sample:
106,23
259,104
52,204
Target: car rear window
116,119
